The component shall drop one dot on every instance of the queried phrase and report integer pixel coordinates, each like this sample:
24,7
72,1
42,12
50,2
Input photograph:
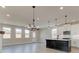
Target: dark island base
59,45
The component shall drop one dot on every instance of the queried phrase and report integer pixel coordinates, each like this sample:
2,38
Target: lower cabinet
59,44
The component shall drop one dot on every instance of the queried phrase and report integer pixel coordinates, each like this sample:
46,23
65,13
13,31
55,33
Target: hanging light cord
56,22
33,16
65,19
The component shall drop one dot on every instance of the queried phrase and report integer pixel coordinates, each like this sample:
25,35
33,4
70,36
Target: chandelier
2,32
33,27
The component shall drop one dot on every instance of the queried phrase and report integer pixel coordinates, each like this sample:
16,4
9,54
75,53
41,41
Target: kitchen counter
61,44
60,39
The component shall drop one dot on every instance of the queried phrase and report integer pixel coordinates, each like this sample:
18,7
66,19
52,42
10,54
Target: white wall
75,35
37,36
0,40
14,40
61,29
46,33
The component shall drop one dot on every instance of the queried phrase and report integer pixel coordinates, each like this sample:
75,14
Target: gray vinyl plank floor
32,48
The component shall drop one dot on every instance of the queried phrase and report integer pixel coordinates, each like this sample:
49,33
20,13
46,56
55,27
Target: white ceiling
22,15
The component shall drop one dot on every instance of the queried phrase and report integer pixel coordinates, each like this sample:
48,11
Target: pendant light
33,27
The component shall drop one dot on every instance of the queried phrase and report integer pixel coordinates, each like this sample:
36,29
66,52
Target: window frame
20,29
27,33
10,32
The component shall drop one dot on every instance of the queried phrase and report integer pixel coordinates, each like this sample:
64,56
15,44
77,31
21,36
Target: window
54,33
27,32
34,34
18,33
7,32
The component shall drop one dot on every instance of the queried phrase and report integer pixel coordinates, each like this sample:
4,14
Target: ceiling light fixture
8,15
66,19
37,18
61,8
3,6
49,24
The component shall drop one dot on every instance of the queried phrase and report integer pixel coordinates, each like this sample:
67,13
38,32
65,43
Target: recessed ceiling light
61,8
3,6
37,18
8,15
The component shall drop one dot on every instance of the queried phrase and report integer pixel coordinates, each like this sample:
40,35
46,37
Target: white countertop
59,39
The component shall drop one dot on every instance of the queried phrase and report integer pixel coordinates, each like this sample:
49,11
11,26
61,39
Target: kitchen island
63,45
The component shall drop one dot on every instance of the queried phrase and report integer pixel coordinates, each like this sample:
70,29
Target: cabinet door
47,43
50,44
53,44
